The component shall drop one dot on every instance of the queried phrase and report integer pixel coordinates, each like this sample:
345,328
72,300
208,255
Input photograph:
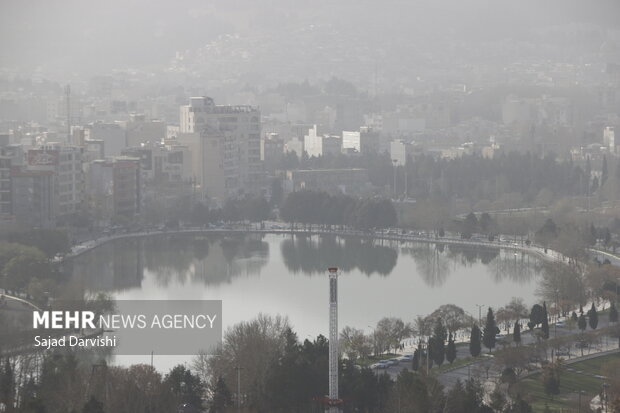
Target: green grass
569,382
457,363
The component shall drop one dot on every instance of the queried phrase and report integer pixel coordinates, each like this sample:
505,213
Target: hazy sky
87,36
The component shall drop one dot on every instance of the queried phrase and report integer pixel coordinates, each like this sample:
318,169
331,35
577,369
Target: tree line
316,207
473,177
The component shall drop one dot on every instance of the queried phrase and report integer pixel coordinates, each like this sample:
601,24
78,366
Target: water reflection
217,259
432,263
518,267
313,254
121,265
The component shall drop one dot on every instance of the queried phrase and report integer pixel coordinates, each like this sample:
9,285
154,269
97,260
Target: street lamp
605,387
480,313
238,387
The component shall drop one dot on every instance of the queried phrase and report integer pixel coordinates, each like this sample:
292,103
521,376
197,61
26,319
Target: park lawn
569,382
457,363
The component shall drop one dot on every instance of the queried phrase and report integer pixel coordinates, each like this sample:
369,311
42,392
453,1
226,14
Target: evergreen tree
545,323
593,317
93,406
607,237
537,315
593,235
582,323
451,350
516,335
574,316
430,352
474,341
490,331
613,313
221,398
551,378
415,361
439,342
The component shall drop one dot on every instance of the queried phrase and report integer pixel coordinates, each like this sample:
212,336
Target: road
484,366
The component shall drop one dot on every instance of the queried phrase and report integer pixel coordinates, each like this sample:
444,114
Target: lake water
286,275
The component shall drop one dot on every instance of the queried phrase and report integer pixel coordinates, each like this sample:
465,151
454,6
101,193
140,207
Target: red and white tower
334,401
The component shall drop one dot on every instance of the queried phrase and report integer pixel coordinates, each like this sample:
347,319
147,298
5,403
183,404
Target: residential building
139,130
609,139
34,203
115,187
319,145
400,151
363,141
225,143
112,134
271,150
66,162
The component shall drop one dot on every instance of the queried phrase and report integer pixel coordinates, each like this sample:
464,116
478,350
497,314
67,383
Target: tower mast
333,341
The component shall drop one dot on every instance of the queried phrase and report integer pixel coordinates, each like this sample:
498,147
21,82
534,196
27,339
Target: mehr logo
63,319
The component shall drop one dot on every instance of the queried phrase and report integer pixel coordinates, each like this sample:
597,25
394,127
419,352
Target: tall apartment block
225,142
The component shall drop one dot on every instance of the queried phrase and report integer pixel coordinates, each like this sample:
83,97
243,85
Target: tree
221,396
277,193
516,359
613,313
516,335
7,384
486,223
490,331
49,241
93,406
415,361
439,342
545,323
185,386
28,264
451,350
469,226
593,317
551,378
474,341
604,171
537,315
582,323
497,399
519,406
465,398
547,233
355,343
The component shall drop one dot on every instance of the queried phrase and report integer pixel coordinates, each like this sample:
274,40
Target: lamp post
605,387
238,388
480,313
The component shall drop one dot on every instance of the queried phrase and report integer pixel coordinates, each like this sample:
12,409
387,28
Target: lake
287,275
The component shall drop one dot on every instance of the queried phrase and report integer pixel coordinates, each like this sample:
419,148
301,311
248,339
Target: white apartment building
225,143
